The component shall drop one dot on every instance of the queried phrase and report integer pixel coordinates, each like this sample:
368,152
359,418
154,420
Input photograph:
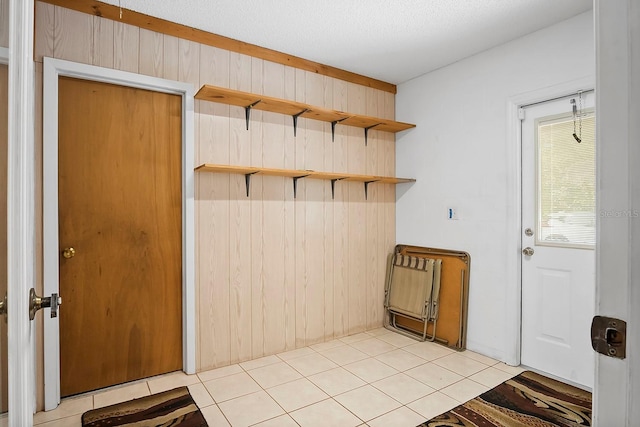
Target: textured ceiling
393,41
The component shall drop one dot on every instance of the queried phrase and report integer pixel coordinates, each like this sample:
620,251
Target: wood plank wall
273,273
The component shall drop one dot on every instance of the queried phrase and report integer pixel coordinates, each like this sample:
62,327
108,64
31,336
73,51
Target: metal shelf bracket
333,187
295,120
366,132
295,184
247,111
333,128
247,180
366,188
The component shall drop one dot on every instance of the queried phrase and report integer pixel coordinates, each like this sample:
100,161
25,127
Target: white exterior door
558,237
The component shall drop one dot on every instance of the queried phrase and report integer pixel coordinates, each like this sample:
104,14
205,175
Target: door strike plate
609,336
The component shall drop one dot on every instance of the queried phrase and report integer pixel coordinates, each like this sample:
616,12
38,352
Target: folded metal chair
412,290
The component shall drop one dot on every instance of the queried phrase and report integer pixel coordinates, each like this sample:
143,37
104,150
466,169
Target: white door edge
4,60
617,38
513,312
20,213
53,68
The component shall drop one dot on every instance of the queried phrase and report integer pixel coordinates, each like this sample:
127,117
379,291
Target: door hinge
609,336
521,113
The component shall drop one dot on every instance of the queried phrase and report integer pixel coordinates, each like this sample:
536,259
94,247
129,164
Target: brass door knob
3,305
527,251
68,253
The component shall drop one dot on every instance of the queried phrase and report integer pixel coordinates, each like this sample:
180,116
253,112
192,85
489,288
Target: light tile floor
377,378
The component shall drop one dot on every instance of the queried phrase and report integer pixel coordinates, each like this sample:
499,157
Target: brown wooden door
120,209
4,116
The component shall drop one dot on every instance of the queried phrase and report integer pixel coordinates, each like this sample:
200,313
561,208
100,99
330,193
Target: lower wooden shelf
334,177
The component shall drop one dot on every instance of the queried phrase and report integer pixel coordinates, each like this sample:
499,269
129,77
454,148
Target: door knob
36,303
68,252
528,251
3,305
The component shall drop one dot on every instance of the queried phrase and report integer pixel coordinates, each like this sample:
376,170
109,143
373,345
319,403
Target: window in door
566,182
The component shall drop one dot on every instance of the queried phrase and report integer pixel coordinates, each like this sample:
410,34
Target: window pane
566,182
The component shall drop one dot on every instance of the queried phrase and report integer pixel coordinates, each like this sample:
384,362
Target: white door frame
4,60
514,214
617,385
21,213
53,68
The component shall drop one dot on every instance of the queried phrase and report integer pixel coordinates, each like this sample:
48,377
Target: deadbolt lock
528,232
609,336
68,252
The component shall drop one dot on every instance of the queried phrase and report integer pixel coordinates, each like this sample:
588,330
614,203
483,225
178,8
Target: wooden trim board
104,10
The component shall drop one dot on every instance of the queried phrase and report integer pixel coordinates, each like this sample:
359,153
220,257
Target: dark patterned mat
526,400
170,408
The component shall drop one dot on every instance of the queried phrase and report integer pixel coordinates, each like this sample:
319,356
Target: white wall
460,154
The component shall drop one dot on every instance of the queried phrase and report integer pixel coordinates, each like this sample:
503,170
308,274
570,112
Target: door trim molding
52,70
20,212
514,206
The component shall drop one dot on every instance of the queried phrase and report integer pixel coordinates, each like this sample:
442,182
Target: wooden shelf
248,171
250,101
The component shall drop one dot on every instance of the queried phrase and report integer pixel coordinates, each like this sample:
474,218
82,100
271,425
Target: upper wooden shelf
248,171
250,101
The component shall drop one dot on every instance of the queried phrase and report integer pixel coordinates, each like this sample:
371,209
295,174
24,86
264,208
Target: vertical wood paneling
44,22
240,213
300,246
383,249
314,215
72,35
273,272
170,56
257,243
189,62
273,237
389,164
151,56
289,220
373,268
4,23
328,231
212,271
356,163
103,45
126,44
340,219
213,209
389,169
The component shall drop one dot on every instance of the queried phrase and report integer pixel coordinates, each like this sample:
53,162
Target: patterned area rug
170,408
526,400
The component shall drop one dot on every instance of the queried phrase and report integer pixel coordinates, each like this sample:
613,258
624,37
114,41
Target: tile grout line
312,351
